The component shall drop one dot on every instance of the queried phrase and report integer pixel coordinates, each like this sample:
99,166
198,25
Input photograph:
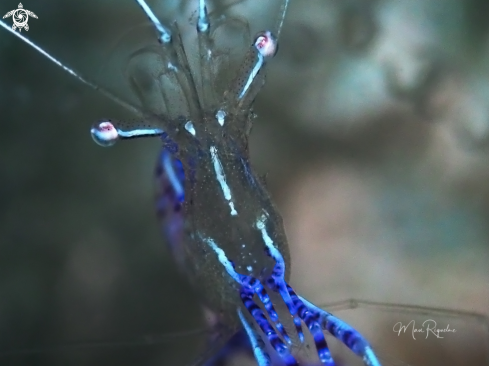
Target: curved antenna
351,304
203,20
280,21
72,72
165,35
477,318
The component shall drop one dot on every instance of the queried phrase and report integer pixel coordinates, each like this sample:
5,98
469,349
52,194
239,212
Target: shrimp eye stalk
105,133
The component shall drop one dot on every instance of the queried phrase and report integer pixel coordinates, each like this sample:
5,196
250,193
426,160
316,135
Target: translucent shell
225,233
223,228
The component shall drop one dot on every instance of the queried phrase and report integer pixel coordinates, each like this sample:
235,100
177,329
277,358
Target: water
88,237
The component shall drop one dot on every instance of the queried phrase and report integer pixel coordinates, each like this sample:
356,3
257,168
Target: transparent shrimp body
225,233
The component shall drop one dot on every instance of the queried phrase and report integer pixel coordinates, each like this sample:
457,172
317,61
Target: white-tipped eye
266,43
104,133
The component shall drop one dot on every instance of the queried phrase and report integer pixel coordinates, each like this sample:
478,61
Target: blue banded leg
311,319
261,355
250,286
259,290
255,311
345,334
276,281
170,194
340,330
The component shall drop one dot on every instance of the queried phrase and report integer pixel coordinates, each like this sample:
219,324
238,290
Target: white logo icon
20,17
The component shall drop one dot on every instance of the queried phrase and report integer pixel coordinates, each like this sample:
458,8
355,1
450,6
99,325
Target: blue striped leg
261,355
278,345
256,286
276,282
312,323
249,287
340,330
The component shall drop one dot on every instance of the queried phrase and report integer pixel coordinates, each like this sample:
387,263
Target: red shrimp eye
104,133
266,43
106,126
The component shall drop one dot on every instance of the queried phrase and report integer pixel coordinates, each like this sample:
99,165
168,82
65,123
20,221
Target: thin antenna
84,80
283,10
165,33
203,22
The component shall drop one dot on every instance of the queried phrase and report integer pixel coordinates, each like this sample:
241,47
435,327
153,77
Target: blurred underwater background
373,133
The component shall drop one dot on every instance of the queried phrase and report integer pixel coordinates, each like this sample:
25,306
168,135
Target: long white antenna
203,22
84,80
283,10
165,33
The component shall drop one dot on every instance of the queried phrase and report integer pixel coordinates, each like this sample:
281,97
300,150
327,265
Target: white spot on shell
221,178
221,116
172,67
189,126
